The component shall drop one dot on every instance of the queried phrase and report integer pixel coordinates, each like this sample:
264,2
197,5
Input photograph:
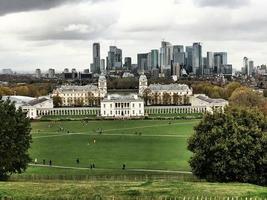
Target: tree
146,95
176,99
230,146
15,139
246,97
57,101
166,98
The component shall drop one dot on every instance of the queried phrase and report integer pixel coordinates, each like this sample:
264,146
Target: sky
59,33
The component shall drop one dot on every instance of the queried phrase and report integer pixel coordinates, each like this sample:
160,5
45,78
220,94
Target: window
110,112
133,105
110,105
133,112
104,112
140,112
139,105
104,105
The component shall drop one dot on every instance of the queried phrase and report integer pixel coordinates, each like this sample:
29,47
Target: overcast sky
60,33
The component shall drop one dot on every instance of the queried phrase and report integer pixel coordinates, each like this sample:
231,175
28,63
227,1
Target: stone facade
88,95
122,106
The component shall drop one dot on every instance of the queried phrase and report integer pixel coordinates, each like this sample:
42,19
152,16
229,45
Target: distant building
7,71
245,66
102,65
96,58
114,59
189,59
38,73
128,63
120,106
178,55
250,67
51,73
197,59
176,70
154,58
142,61
220,59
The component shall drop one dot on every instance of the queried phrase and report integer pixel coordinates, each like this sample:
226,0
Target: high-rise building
114,59
51,73
197,59
245,65
189,59
38,73
250,67
220,59
176,70
178,55
102,65
128,63
210,60
142,61
166,55
154,58
96,58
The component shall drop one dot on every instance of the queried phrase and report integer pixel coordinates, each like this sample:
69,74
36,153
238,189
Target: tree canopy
15,139
230,146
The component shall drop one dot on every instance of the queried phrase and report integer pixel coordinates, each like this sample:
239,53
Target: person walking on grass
50,162
77,161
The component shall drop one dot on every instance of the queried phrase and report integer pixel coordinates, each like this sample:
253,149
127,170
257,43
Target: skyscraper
220,60
154,58
142,61
38,73
114,59
210,60
197,59
102,65
245,65
250,67
178,55
166,55
189,59
128,63
96,58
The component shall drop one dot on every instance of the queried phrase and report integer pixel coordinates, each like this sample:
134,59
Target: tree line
32,90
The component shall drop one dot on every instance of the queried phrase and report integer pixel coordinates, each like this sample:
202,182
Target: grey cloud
13,6
221,3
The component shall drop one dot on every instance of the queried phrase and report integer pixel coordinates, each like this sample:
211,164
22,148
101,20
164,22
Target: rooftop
210,100
77,88
169,87
122,98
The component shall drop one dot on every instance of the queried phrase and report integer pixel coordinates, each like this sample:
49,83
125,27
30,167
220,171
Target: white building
87,95
122,106
30,105
158,94
203,100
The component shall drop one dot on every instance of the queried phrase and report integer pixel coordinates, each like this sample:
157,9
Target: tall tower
142,84
96,58
102,86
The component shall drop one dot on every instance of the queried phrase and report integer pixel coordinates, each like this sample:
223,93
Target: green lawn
130,190
140,144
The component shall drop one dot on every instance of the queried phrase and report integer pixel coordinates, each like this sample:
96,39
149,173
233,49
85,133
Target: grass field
130,190
140,144
154,152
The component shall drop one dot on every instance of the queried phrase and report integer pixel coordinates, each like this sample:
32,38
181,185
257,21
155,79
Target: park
154,153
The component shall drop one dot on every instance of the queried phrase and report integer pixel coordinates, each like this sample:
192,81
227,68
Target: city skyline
47,35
